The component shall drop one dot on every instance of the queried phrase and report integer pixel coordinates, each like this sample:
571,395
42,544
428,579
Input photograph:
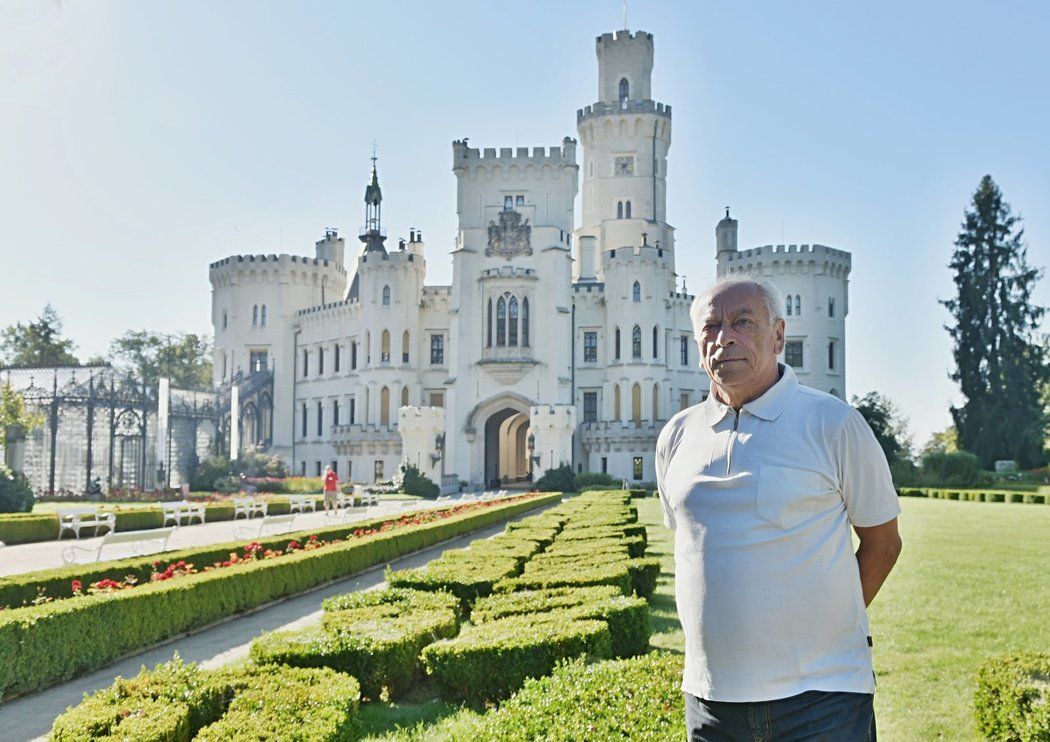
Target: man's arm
878,551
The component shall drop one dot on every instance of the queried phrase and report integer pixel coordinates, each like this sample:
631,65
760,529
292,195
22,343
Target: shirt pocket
786,496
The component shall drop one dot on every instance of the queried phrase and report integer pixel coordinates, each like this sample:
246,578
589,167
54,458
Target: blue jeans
811,716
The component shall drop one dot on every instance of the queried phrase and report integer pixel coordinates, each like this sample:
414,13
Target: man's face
738,343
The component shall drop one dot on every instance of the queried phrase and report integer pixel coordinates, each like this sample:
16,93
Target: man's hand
879,548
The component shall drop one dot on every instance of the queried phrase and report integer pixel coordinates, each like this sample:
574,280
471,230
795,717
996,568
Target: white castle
554,344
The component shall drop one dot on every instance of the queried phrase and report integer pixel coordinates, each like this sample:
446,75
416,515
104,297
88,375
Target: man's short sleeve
864,475
661,471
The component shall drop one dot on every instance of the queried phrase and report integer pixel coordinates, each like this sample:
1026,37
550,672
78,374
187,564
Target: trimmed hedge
467,580
378,645
502,605
490,661
175,701
615,574
976,495
635,699
1012,701
44,644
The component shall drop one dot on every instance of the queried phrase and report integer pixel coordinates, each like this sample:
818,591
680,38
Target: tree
13,411
1000,367
184,358
943,441
886,422
38,343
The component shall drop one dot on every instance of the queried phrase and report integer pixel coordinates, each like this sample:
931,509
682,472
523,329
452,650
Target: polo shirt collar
768,406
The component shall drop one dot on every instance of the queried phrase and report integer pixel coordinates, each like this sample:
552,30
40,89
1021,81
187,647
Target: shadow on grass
407,717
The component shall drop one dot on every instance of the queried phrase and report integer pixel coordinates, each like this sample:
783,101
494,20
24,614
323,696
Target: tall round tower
625,136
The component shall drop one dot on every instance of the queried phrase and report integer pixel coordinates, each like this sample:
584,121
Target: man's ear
778,335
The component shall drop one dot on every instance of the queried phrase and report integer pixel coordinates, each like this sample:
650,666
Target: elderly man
760,484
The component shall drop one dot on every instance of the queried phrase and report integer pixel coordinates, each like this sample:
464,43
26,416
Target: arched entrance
506,447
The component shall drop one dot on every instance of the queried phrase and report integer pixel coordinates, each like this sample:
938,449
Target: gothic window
636,291
636,404
616,344
386,296
353,410
627,210
405,340
590,407
384,351
793,353
488,331
616,401
368,348
384,407
619,209
255,315
798,305
306,362
437,350
501,322
788,302
590,347
320,419
656,402
831,306
831,355
303,420
335,412
685,350
262,320
512,327
625,90
353,355
335,362
656,340
404,396
320,361
257,360
525,322
636,342
636,468
225,319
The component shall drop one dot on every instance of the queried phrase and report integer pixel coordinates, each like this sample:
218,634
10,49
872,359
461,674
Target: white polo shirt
766,579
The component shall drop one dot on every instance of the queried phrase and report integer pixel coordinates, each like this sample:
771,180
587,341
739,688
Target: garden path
30,717
21,558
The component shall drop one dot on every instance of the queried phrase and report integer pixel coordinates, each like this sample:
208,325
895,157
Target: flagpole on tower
624,15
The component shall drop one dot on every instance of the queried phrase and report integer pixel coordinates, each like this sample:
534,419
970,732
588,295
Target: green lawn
971,583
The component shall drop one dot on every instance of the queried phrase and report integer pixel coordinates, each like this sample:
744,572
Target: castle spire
373,234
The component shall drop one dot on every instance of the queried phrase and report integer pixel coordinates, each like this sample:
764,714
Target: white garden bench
81,516
248,507
178,511
138,538
301,503
273,522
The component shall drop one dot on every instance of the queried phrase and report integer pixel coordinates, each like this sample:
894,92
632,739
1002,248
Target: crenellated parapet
283,267
796,259
472,158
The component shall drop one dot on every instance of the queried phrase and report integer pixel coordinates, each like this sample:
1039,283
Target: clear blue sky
141,140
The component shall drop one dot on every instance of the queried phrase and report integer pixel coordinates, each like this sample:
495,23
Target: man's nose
725,336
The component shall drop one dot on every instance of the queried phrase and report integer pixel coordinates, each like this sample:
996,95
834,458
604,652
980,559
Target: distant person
760,484
331,488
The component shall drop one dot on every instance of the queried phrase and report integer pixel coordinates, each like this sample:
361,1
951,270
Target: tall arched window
404,346
656,402
619,209
384,352
625,90
636,291
656,340
525,322
404,396
384,407
636,404
512,327
788,303
627,210
798,305
501,322
386,296
488,331
255,314
616,401
616,344
831,306
636,342
368,349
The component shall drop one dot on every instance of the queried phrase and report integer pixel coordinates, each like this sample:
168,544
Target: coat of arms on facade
512,236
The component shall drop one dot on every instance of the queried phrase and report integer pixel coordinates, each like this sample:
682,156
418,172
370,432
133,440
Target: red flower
77,586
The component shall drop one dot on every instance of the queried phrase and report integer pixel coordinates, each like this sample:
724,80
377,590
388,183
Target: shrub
16,496
417,483
466,580
561,479
502,605
615,574
952,468
407,600
1012,701
24,528
379,645
175,701
639,698
490,661
593,480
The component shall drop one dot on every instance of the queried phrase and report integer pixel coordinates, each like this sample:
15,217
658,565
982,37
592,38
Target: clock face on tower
624,165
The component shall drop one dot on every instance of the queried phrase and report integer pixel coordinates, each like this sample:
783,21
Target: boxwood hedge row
175,701
1012,701
44,644
972,495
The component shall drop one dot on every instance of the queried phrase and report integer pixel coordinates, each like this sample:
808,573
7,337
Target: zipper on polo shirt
732,440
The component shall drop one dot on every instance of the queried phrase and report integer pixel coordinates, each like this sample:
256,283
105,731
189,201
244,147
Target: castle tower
626,136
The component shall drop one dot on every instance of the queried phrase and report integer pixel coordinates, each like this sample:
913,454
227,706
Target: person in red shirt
331,486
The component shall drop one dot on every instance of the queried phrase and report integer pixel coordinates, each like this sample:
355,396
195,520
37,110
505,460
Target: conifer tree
1000,365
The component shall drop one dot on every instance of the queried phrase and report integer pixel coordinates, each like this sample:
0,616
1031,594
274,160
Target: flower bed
44,644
